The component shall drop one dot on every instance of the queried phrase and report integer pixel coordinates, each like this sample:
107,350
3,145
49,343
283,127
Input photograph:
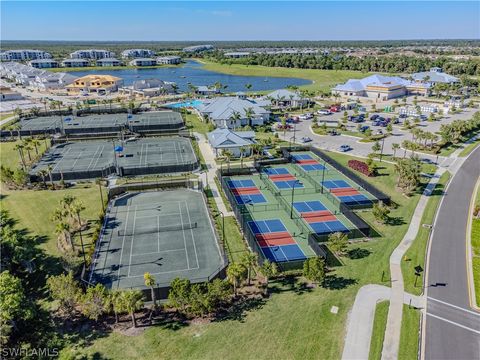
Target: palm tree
150,282
19,148
249,260
235,273
228,155
132,301
249,115
268,270
28,147
243,150
63,229
43,174
36,143
395,147
234,118
113,302
49,170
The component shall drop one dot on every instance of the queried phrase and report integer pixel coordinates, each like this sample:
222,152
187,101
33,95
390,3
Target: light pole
293,194
323,174
223,225
381,150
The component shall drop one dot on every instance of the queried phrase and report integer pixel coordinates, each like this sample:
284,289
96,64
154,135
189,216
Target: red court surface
307,161
282,177
245,191
316,213
274,239
316,219
344,191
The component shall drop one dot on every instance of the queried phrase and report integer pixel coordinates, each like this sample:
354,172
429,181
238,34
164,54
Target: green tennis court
167,233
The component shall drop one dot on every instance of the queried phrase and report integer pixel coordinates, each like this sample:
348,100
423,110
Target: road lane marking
454,323
454,306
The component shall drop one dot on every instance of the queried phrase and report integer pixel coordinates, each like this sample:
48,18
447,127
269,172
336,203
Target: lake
193,72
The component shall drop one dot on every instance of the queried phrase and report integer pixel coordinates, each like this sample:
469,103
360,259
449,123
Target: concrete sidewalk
209,158
361,317
394,320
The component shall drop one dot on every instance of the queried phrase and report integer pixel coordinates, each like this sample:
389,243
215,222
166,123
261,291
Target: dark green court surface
92,159
103,123
168,234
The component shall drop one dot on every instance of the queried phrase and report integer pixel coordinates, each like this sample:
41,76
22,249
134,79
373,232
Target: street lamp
223,225
293,193
323,174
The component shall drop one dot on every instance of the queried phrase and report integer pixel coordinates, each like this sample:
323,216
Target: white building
435,76
149,88
137,53
7,94
233,112
109,62
239,143
35,78
22,55
287,98
43,64
75,63
169,60
237,55
198,48
94,54
143,62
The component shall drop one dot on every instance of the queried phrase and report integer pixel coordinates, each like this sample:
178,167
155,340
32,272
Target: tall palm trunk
134,320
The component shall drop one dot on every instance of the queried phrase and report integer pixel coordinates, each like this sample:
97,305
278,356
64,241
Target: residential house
206,90
143,62
70,63
36,78
7,94
43,64
233,112
93,54
109,62
101,84
239,143
169,60
287,98
237,55
23,55
137,53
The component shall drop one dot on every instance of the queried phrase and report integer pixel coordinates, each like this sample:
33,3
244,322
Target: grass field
416,253
296,320
11,158
378,332
194,123
476,250
409,334
470,147
321,79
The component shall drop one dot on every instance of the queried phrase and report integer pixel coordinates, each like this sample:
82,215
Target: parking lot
362,149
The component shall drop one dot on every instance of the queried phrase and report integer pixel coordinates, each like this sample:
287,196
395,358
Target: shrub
360,166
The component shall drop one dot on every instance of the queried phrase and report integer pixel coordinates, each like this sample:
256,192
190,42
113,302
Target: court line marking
193,236
94,157
157,215
159,252
158,234
161,272
123,245
184,238
132,240
454,323
62,158
98,157
454,306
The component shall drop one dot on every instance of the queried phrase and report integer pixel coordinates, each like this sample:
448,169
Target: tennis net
157,229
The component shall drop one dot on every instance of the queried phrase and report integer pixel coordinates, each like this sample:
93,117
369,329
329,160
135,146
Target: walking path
361,317
6,120
391,343
209,158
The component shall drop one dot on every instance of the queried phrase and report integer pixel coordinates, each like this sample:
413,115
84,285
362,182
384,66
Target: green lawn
470,147
297,321
33,209
11,158
3,116
321,79
409,334
194,123
416,253
378,332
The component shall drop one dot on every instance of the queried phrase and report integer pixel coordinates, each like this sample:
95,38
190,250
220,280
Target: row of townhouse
24,55
69,63
28,76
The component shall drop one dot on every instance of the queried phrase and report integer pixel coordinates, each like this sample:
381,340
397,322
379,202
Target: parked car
332,132
374,117
344,148
423,117
403,116
379,132
306,139
364,128
335,108
324,112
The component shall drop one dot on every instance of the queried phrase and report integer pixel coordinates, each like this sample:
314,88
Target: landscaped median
378,332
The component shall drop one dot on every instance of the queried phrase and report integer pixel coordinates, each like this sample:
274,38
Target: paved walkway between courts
209,157
361,317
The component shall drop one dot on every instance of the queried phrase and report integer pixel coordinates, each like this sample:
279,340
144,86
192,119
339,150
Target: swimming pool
192,103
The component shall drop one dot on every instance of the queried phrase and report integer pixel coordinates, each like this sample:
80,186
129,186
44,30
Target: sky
238,20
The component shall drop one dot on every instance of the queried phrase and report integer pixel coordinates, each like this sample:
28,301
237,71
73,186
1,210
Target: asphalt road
452,328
